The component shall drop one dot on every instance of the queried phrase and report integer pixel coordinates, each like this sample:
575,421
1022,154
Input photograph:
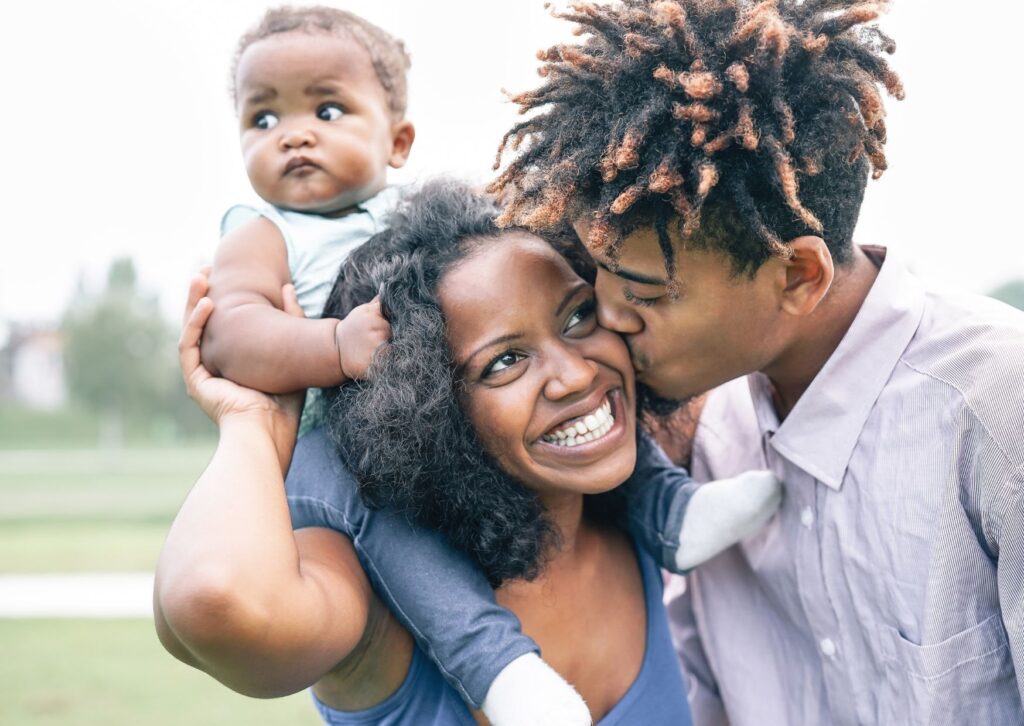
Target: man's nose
613,311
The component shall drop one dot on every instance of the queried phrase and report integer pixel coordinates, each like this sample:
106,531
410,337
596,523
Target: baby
321,97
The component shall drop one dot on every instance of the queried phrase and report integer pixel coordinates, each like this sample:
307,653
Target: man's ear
808,275
403,134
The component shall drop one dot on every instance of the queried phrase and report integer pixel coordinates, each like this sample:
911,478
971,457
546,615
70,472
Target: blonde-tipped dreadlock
751,123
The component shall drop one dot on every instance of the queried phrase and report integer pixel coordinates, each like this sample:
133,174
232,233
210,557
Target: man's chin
653,403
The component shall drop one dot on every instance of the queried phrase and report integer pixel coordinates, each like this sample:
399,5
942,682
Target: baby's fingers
290,301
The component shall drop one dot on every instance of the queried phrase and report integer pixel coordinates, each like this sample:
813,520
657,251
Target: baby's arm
251,341
684,523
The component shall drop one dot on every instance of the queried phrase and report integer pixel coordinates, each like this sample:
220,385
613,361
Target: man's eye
632,298
505,360
265,120
329,112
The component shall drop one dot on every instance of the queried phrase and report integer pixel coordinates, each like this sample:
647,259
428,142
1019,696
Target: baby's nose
295,138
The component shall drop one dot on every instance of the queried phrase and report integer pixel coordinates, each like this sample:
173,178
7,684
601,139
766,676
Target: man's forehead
640,258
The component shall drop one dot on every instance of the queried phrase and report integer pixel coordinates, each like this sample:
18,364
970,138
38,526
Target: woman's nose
613,312
571,373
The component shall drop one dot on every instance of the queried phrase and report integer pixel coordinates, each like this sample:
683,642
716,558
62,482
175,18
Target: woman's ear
808,275
403,134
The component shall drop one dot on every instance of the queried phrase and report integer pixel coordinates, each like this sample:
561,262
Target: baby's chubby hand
358,336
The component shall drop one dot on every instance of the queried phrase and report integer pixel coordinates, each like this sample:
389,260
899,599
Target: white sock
528,692
721,513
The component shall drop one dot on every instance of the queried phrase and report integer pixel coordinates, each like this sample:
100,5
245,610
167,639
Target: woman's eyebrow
573,292
508,338
632,276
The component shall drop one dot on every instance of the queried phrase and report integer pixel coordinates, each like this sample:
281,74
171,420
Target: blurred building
32,367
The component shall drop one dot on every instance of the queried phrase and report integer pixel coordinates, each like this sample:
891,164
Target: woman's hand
219,398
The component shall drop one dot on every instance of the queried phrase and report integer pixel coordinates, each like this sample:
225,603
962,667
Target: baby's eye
330,112
265,120
506,360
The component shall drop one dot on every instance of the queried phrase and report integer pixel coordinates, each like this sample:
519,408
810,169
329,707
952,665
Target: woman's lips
610,439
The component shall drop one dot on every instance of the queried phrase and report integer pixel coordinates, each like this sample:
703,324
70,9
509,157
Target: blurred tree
1012,293
119,353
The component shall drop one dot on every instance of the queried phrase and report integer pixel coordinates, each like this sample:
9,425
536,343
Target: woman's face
548,391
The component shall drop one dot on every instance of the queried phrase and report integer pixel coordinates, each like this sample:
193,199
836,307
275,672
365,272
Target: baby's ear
403,134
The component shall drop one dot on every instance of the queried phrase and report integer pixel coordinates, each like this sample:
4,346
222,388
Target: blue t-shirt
656,698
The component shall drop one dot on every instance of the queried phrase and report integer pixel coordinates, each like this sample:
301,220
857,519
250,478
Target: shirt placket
819,612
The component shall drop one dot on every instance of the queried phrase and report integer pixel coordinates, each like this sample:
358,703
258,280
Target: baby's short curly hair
388,54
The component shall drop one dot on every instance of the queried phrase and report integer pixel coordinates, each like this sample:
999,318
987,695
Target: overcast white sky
119,138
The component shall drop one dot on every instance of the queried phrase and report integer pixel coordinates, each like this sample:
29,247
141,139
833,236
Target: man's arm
249,339
1010,575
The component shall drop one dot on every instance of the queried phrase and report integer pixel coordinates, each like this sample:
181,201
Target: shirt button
806,517
828,648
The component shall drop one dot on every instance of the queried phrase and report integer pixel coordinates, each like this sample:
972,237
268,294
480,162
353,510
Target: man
712,155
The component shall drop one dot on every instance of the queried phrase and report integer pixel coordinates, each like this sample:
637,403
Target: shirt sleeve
1010,576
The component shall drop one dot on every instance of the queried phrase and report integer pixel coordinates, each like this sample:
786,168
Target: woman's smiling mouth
582,429
593,433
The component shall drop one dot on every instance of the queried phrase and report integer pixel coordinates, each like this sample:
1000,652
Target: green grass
114,672
88,510
80,546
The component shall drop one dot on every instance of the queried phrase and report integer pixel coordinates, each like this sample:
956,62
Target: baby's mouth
299,162
582,429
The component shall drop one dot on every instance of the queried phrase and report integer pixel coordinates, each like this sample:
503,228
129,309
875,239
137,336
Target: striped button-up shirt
889,589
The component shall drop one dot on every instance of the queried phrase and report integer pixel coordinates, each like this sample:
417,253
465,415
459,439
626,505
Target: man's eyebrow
490,344
261,96
632,276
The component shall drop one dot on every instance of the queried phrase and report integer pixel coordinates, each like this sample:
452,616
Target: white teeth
592,426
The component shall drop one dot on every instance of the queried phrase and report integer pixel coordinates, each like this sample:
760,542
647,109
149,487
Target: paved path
86,595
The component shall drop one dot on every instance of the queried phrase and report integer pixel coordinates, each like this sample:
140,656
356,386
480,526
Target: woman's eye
503,361
264,120
330,112
580,315
644,302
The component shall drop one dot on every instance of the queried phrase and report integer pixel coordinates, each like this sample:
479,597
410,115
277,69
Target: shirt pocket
965,679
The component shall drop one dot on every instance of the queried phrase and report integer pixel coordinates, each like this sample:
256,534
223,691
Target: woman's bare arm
238,594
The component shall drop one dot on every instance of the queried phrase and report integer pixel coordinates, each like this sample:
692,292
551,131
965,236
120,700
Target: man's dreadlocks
750,124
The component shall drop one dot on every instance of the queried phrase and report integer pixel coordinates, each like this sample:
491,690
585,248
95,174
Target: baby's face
316,130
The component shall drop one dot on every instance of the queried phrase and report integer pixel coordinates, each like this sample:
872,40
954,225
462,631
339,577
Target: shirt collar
381,204
821,432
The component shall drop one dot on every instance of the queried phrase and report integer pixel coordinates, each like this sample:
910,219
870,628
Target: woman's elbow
207,610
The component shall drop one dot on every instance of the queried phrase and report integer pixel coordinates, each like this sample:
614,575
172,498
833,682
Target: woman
503,317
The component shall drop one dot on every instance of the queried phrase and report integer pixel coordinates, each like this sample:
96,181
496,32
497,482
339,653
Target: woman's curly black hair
403,433
751,123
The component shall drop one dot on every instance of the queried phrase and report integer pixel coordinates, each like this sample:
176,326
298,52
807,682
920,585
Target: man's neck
821,332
